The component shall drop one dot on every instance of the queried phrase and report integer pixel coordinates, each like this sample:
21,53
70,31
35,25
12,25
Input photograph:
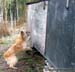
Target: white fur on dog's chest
24,46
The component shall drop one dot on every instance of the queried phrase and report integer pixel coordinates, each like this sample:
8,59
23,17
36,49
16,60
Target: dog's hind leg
12,62
13,67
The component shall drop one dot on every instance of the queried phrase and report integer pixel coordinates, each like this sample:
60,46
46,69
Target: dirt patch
27,62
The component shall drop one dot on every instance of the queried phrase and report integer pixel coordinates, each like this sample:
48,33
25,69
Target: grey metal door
59,33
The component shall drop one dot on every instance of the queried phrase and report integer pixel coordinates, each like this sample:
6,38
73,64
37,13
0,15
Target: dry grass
20,22
4,29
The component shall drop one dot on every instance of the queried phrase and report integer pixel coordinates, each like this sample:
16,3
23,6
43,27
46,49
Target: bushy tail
11,61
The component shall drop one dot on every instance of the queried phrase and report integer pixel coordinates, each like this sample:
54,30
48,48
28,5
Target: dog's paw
29,49
13,67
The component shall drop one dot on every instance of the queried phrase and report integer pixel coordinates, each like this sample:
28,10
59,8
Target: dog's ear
23,35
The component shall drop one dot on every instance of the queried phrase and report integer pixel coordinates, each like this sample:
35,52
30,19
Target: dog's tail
11,61
7,54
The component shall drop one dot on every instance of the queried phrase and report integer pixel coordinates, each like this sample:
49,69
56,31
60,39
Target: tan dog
19,45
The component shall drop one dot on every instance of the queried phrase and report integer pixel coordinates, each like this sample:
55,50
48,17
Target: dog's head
24,35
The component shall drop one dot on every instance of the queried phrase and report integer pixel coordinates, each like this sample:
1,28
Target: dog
19,45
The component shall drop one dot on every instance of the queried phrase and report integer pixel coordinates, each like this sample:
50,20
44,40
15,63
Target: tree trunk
11,19
17,13
4,11
25,12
